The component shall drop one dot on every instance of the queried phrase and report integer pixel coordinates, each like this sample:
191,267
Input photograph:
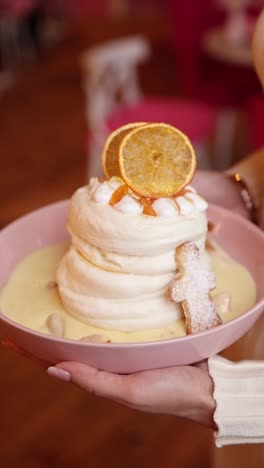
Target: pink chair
111,70
196,119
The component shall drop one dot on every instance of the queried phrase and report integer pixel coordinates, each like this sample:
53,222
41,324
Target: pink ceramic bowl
47,225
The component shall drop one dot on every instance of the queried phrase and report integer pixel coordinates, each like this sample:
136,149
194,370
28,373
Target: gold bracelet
245,195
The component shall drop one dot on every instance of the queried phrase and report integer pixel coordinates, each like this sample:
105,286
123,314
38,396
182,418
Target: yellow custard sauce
31,295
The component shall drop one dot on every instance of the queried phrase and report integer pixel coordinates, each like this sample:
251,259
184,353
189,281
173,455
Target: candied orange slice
156,160
111,149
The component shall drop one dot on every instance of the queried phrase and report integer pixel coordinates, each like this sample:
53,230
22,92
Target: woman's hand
185,391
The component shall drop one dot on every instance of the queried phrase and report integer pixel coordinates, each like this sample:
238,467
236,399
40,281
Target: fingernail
59,373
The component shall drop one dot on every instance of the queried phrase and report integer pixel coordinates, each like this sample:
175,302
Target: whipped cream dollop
121,260
130,203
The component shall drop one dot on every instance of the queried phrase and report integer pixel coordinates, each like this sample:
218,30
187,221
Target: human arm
221,189
238,387
229,398
251,171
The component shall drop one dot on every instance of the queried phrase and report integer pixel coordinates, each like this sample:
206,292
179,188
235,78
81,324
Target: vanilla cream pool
31,295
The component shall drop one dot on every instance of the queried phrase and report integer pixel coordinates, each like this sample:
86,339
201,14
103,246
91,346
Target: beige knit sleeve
239,396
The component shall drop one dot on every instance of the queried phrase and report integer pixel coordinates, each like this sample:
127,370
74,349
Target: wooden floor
45,423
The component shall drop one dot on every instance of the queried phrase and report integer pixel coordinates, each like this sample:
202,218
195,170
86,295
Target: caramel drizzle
121,191
118,194
148,209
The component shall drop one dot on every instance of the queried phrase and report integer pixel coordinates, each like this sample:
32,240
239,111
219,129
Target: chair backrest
110,77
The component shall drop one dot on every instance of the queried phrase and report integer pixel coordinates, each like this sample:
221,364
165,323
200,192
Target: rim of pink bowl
5,318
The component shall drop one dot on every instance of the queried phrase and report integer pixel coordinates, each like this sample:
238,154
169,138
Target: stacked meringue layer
116,272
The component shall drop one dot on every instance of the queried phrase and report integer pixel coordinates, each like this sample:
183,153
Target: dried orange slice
111,149
156,160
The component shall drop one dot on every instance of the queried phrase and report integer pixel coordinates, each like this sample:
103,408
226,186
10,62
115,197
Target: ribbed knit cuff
239,396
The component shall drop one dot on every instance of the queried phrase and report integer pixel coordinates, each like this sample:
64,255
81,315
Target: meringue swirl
116,273
102,192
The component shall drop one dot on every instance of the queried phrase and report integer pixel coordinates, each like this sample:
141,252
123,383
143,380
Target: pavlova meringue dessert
116,272
137,266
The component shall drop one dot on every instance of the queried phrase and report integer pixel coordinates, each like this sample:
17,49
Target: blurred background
71,71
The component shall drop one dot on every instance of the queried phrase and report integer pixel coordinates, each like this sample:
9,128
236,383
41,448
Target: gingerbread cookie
191,287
